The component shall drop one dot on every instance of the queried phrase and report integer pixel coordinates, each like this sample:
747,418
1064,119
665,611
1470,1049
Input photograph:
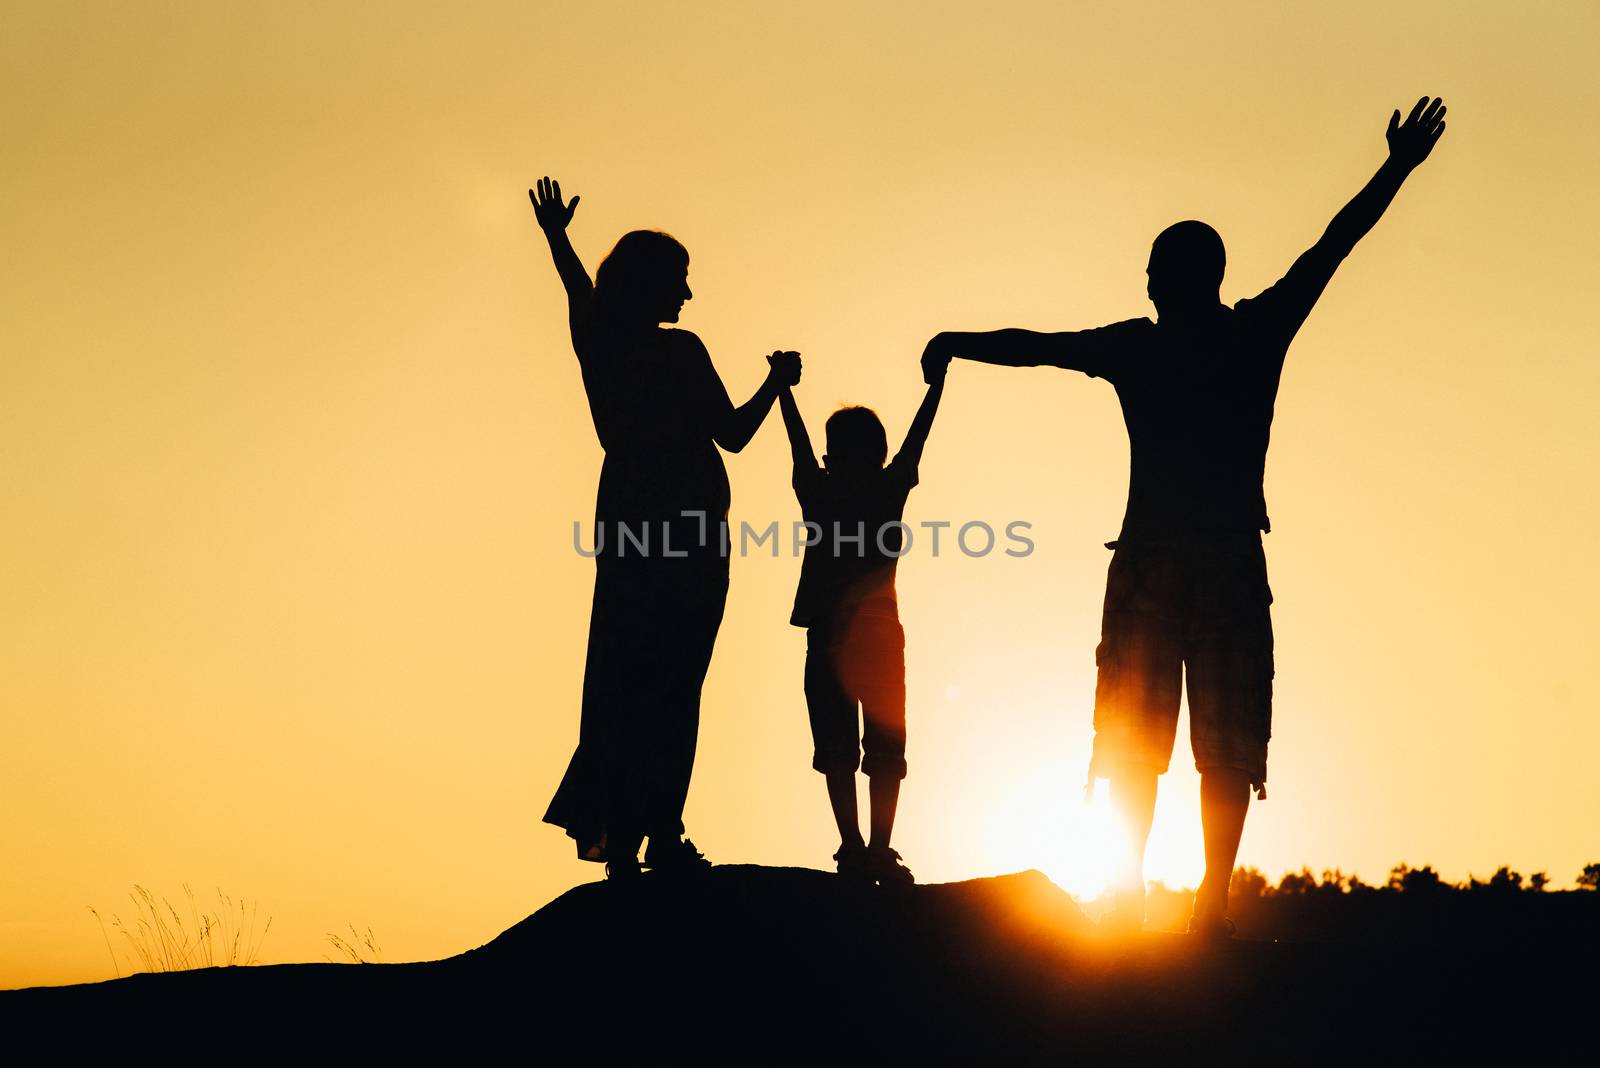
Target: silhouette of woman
661,564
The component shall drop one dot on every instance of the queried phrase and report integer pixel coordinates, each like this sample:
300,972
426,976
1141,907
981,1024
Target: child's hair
857,430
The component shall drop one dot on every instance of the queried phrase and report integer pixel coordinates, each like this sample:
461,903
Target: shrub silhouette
1302,883
1589,878
1423,880
1503,881
1248,885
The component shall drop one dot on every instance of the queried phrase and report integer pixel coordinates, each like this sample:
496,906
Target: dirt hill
778,965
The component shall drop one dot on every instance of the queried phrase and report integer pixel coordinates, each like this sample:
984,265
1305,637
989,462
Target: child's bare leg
842,796
884,794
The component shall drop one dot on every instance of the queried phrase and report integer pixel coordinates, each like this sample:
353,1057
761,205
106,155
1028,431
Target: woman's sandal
622,869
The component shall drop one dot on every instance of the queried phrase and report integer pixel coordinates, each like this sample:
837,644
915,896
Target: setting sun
1075,840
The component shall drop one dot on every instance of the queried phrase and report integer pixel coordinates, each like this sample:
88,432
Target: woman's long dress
661,580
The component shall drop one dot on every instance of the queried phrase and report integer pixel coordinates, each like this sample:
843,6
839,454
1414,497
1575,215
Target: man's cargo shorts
1199,604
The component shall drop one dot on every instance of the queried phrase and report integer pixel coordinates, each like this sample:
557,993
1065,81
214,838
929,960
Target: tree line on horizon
1415,904
1251,883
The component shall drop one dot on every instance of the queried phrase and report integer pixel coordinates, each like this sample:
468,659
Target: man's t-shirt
841,571
1198,401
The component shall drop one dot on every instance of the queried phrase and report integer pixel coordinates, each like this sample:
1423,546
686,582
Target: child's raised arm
921,423
805,460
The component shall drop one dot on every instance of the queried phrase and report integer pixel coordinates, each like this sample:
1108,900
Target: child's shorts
858,660
1199,606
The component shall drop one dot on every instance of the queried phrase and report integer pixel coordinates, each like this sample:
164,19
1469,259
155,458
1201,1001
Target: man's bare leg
1133,799
1224,800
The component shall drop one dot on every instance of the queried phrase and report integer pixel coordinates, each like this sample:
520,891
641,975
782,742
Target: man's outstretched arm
1006,348
553,217
1409,144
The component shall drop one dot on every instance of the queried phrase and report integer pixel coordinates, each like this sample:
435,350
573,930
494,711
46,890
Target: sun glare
1053,827
1050,825
1084,856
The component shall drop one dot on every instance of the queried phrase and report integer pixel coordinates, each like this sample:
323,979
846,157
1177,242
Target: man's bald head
1187,261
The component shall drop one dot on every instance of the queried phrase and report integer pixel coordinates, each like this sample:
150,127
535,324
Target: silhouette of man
1187,587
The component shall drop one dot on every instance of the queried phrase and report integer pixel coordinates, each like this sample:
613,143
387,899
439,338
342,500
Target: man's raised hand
553,215
1412,140
785,368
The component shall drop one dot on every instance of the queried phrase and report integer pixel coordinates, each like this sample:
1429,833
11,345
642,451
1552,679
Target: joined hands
785,368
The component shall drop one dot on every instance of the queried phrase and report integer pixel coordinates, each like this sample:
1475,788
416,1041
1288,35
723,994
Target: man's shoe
1212,929
883,866
674,855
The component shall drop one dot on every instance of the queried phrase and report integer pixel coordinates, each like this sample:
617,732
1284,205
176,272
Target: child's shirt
853,563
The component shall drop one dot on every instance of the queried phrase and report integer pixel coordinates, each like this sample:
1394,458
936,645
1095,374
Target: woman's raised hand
553,215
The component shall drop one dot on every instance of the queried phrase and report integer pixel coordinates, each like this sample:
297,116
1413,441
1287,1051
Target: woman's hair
635,270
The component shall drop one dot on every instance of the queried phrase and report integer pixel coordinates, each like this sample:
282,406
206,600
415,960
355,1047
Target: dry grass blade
358,948
160,939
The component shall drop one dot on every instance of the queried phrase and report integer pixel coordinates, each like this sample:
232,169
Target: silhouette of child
855,647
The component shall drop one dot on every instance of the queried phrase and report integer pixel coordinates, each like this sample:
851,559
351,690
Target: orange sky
293,438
